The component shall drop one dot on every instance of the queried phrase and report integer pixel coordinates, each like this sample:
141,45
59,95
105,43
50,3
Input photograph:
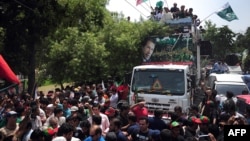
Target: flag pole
150,3
208,16
136,8
145,8
152,9
147,4
166,3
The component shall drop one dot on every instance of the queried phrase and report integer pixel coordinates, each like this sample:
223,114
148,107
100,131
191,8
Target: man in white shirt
113,98
105,121
166,16
58,113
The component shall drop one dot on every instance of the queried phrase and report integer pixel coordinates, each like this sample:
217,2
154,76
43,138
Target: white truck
162,86
165,81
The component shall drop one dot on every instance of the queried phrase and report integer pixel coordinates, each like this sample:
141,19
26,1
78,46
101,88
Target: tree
222,40
77,57
123,42
26,23
243,43
80,52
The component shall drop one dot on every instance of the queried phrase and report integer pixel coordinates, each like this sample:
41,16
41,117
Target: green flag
227,13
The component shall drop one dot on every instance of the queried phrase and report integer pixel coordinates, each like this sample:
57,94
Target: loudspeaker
205,48
193,80
231,60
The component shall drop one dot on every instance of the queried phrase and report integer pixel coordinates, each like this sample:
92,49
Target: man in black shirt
144,133
174,10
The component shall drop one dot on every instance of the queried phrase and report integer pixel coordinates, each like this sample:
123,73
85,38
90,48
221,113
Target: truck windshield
159,81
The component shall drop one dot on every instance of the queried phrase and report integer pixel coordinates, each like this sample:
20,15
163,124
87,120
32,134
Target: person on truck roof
174,10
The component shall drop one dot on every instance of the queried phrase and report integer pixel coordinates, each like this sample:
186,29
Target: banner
181,22
6,73
174,48
227,13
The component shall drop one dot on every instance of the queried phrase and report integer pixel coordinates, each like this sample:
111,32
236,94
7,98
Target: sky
202,8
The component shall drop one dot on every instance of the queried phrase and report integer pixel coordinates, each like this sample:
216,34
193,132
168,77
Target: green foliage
225,42
79,40
88,15
246,63
47,82
76,57
243,42
222,40
123,42
26,24
120,41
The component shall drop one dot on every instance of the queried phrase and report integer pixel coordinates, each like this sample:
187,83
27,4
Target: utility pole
198,51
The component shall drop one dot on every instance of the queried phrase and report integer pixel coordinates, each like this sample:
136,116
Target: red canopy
246,97
6,73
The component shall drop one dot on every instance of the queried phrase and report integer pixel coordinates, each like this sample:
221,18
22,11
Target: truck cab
162,86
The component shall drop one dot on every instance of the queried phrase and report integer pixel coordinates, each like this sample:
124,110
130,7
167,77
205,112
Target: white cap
74,108
59,139
10,113
50,106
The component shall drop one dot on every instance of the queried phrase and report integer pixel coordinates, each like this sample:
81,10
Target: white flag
103,86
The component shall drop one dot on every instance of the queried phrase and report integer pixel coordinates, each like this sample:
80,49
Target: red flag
140,1
6,73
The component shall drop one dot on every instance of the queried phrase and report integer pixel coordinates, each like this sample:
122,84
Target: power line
147,4
136,8
24,5
145,8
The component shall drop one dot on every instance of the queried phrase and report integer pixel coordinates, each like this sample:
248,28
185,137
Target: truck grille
154,106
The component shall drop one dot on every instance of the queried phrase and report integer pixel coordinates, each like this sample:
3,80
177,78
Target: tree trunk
61,84
31,73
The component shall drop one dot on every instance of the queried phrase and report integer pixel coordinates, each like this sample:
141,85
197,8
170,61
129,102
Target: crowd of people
92,113
220,67
164,14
